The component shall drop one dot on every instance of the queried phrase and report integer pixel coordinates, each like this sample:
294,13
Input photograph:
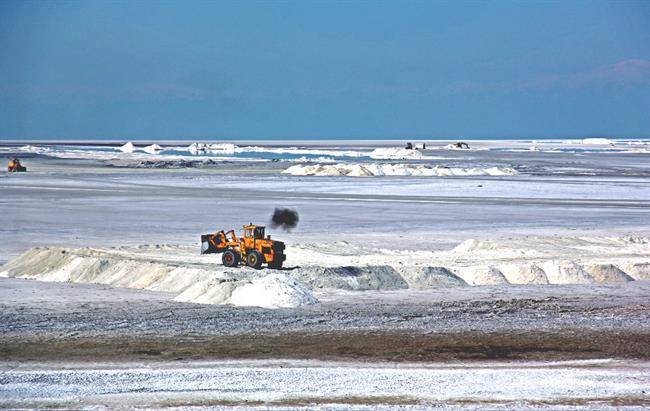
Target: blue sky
311,69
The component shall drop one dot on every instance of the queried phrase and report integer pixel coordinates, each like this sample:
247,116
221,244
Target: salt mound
376,169
222,148
272,291
374,277
395,154
597,141
483,276
152,149
639,271
501,171
524,274
196,148
90,266
211,291
196,285
358,170
566,273
608,273
431,277
127,148
468,245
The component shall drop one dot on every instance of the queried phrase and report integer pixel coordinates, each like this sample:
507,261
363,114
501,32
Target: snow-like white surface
302,151
395,154
415,213
595,140
379,169
453,146
220,148
283,384
229,148
149,153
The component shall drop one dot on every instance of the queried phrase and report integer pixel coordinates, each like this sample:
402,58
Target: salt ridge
200,279
378,169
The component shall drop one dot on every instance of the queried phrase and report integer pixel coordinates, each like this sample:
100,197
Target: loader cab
254,231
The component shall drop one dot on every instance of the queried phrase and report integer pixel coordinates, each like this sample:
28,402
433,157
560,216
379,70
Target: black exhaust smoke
284,218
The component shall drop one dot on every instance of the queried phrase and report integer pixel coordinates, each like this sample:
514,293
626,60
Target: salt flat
548,263
297,384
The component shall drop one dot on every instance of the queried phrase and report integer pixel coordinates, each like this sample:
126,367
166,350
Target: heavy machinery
253,249
14,166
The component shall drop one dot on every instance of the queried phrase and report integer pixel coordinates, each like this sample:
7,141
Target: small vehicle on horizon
14,166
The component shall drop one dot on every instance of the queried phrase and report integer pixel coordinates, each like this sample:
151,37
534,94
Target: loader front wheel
254,260
230,258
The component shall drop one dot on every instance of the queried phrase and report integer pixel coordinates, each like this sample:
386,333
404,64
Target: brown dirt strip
412,346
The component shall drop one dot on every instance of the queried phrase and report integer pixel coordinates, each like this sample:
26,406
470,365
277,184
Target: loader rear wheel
230,258
254,260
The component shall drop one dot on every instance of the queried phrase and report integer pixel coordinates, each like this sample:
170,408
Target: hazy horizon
119,140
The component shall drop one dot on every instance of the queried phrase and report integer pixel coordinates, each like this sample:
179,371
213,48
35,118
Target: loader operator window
259,233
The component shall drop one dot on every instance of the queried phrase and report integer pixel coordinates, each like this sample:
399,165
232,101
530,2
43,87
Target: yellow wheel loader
252,250
14,166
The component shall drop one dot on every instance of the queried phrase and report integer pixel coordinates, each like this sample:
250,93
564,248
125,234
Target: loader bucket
207,247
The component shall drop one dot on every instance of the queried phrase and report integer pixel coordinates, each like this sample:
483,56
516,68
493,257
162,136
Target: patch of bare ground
400,345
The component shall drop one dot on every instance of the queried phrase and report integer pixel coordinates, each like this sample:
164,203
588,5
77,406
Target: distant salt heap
127,148
597,141
377,169
483,276
457,146
221,148
395,154
153,149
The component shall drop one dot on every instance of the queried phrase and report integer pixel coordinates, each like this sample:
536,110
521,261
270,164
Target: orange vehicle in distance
14,166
